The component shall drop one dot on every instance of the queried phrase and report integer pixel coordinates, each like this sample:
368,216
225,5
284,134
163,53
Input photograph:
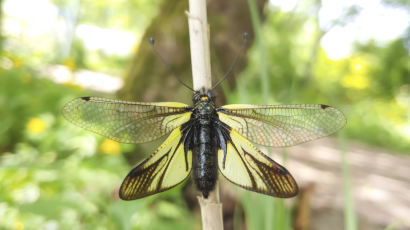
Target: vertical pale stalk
199,43
211,208
350,217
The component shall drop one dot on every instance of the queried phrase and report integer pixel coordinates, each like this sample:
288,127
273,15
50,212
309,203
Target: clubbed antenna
152,42
235,60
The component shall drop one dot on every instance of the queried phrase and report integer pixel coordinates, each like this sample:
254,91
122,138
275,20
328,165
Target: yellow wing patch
165,168
247,167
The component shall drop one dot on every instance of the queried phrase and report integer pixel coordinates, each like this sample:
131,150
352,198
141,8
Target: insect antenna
152,42
235,60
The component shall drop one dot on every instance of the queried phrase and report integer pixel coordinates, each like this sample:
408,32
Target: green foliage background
62,177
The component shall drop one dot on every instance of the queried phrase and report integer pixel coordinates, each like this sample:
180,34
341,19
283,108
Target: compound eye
211,96
196,97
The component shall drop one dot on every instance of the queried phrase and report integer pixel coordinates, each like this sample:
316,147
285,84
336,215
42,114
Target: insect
204,138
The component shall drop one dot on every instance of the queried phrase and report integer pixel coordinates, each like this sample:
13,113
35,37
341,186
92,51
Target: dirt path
380,184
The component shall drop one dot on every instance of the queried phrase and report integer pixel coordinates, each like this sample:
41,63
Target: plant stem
350,217
211,208
199,43
256,23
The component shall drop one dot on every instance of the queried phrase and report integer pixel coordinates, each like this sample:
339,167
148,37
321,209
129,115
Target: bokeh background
353,55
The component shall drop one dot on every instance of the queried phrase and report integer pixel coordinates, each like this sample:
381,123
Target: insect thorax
204,106
203,96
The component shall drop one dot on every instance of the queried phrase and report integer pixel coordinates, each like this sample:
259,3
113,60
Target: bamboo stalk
211,208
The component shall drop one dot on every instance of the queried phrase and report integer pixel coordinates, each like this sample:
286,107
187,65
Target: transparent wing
282,125
247,167
168,166
127,122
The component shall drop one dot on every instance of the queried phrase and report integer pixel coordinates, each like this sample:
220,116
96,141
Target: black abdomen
204,159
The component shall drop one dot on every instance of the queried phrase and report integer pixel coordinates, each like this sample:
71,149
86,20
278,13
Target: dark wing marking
247,167
127,122
282,125
165,168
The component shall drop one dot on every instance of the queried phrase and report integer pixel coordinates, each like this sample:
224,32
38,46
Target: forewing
127,122
168,166
247,167
282,125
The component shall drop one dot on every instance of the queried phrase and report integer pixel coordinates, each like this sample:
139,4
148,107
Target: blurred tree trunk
148,80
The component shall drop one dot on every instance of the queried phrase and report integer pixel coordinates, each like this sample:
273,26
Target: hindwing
244,165
168,166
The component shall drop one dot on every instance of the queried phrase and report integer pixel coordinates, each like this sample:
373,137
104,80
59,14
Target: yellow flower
17,62
358,76
74,86
70,64
360,64
110,147
18,225
358,67
355,81
36,125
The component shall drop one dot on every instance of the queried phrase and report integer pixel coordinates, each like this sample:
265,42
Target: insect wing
126,122
168,166
282,125
249,168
